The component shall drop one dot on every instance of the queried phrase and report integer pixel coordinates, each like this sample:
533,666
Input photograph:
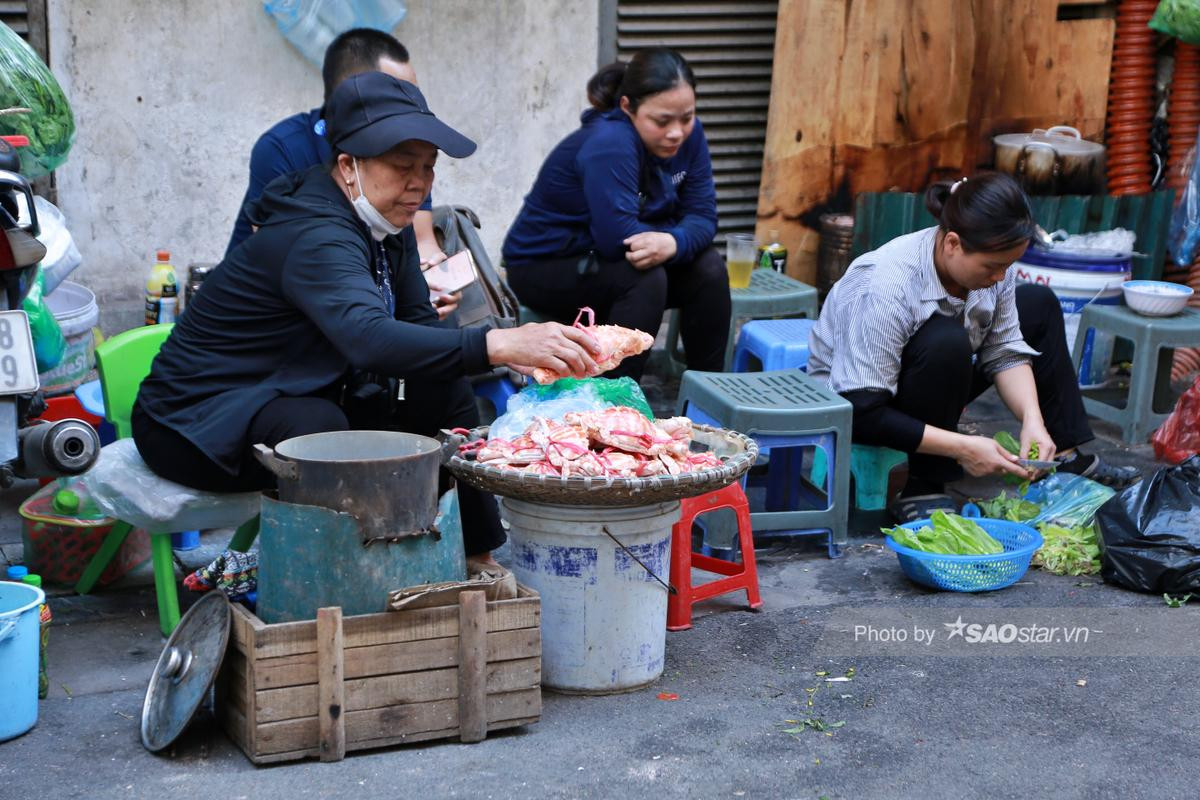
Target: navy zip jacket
289,312
601,185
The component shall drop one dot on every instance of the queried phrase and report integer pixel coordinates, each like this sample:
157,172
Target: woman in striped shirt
920,327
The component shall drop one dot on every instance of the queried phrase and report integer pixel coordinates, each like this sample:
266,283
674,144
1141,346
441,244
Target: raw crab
616,344
616,442
623,428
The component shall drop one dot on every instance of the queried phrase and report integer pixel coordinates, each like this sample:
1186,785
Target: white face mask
378,223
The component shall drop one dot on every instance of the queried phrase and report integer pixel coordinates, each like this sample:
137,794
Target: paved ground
1112,715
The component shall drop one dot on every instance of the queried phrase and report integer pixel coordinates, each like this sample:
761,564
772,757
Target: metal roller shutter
27,18
731,47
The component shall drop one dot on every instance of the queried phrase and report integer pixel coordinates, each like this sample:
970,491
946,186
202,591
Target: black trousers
427,407
938,379
620,294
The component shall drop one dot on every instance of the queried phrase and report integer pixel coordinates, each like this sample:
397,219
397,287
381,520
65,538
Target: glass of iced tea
740,256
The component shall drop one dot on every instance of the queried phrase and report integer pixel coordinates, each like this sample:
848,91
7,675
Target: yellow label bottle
162,291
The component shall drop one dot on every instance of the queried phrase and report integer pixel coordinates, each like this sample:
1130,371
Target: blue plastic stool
776,343
785,412
185,540
496,389
91,398
870,467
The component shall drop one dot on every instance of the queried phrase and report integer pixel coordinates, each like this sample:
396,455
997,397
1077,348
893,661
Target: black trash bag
1150,533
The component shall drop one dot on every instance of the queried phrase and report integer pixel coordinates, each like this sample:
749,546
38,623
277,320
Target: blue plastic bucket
1078,279
19,640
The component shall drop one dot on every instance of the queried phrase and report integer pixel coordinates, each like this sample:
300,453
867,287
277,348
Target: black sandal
921,506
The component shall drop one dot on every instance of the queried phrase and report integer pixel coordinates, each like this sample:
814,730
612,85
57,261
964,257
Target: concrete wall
169,96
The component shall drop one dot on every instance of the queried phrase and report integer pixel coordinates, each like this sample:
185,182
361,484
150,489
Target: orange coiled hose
1183,112
1131,99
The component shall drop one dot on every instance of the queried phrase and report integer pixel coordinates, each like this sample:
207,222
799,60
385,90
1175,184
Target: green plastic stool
123,362
870,467
771,295
784,411
1149,400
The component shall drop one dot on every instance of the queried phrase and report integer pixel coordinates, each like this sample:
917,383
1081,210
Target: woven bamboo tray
737,451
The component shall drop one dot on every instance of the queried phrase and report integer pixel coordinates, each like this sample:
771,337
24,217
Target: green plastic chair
123,362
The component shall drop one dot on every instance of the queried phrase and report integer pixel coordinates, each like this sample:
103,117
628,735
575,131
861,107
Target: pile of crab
616,442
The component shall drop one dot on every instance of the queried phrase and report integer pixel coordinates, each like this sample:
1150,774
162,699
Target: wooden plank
472,666
798,155
396,723
386,659
293,638
276,705
330,689
387,741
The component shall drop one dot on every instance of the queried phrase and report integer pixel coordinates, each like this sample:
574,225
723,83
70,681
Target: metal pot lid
1064,140
185,671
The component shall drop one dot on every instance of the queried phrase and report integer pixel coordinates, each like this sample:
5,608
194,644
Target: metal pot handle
281,468
1020,168
1060,130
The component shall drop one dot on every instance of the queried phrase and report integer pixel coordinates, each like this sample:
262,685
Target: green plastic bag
26,82
49,344
615,391
1180,18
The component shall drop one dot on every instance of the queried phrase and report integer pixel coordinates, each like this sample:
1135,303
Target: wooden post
472,666
330,686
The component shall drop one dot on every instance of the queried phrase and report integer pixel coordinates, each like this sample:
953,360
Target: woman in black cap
329,285
623,214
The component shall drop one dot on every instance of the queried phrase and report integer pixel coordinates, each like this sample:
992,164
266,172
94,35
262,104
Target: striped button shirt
885,297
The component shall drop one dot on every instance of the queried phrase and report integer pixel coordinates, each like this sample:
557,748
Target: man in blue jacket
298,142
328,287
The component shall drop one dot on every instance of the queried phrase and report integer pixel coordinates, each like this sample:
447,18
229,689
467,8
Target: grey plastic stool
783,411
771,295
1149,399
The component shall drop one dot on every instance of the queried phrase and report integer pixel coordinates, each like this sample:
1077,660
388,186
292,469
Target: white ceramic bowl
1156,298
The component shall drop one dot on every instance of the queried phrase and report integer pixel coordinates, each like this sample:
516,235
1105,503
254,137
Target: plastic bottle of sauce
162,291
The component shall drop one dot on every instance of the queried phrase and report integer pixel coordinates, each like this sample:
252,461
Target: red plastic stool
738,576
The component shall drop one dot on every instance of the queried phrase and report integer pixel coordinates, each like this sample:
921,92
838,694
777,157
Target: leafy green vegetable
1068,551
949,534
1176,602
26,82
1008,442
1013,509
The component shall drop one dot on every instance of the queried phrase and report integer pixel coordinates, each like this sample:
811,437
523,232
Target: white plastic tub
604,617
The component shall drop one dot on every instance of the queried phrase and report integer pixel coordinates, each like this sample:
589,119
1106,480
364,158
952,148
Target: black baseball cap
372,112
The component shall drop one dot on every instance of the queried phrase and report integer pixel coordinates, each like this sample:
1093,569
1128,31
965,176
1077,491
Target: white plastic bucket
1074,290
604,616
75,308
20,632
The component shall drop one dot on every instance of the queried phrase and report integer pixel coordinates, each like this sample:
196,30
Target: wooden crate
321,687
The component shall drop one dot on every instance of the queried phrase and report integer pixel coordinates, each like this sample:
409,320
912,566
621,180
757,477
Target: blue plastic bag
310,25
1069,501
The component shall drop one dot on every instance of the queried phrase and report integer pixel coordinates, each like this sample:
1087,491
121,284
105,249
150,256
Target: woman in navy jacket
623,212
